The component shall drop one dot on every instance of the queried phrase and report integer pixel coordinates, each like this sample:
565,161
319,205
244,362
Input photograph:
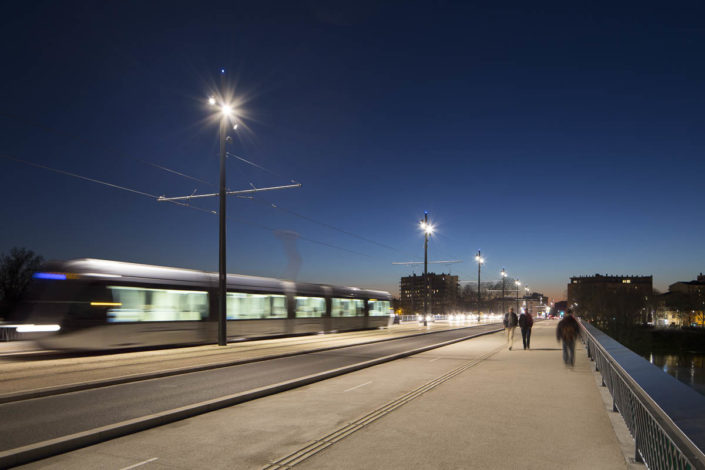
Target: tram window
242,306
138,304
310,307
347,307
379,308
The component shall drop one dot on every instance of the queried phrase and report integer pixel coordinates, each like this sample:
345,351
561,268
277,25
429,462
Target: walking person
525,323
510,324
567,332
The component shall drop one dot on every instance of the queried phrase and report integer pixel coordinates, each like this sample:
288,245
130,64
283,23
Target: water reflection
688,368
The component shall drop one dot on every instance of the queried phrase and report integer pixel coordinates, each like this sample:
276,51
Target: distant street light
480,260
428,230
518,285
504,279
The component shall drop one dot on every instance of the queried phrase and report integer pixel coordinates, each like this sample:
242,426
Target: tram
93,304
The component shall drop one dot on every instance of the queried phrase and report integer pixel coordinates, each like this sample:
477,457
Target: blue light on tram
53,276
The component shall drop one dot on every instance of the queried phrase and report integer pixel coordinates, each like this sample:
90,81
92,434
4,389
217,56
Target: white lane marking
357,386
139,464
433,360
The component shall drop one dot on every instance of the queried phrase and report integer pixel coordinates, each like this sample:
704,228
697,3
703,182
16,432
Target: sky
561,138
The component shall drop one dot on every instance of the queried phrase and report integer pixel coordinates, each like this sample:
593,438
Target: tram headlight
31,328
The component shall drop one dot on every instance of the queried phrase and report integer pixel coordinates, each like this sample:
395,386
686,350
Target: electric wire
266,170
272,205
78,138
177,172
190,206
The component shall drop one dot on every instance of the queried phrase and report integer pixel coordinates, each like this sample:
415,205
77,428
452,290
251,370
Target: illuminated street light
426,227
480,260
504,279
518,285
428,230
226,113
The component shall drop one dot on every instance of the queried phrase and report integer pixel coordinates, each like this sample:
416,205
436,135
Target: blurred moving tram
92,304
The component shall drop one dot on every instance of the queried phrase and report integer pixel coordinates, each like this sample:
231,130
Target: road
472,404
29,422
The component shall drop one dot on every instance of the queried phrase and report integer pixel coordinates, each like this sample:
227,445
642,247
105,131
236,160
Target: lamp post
504,279
480,260
226,111
428,230
518,285
527,290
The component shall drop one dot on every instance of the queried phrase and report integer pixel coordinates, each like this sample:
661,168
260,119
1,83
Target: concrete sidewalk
518,409
472,404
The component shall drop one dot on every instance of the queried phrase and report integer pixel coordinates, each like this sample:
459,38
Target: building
683,304
536,303
691,288
611,299
442,293
598,284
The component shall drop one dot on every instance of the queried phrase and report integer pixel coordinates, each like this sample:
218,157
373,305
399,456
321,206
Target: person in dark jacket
525,323
510,324
567,331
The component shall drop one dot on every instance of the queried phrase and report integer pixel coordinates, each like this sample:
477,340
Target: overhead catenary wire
16,118
78,138
232,155
277,206
190,206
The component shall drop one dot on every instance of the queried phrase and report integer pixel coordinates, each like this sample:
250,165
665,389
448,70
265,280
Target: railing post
637,455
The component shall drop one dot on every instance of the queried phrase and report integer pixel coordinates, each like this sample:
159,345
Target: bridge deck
469,405
517,409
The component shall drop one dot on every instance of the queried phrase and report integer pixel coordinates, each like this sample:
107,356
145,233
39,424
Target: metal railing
665,417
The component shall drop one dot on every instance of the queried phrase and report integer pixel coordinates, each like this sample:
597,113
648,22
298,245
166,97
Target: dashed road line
357,386
140,463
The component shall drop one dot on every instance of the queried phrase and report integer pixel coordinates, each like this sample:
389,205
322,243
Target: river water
688,368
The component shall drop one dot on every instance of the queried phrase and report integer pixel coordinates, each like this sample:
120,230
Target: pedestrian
510,324
567,332
525,323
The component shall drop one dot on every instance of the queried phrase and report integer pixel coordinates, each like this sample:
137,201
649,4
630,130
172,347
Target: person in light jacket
510,324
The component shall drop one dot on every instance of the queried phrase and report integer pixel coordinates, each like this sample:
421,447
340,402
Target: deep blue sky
560,139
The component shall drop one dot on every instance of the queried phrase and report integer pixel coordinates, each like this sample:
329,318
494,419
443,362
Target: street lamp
504,279
518,285
428,230
480,260
226,113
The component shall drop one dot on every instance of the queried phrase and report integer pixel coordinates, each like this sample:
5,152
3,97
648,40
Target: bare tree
16,269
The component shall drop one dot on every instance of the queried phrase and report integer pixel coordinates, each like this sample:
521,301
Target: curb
39,450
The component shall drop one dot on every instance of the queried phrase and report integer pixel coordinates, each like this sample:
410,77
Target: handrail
665,417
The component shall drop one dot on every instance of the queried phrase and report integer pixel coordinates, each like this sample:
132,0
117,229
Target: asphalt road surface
41,419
